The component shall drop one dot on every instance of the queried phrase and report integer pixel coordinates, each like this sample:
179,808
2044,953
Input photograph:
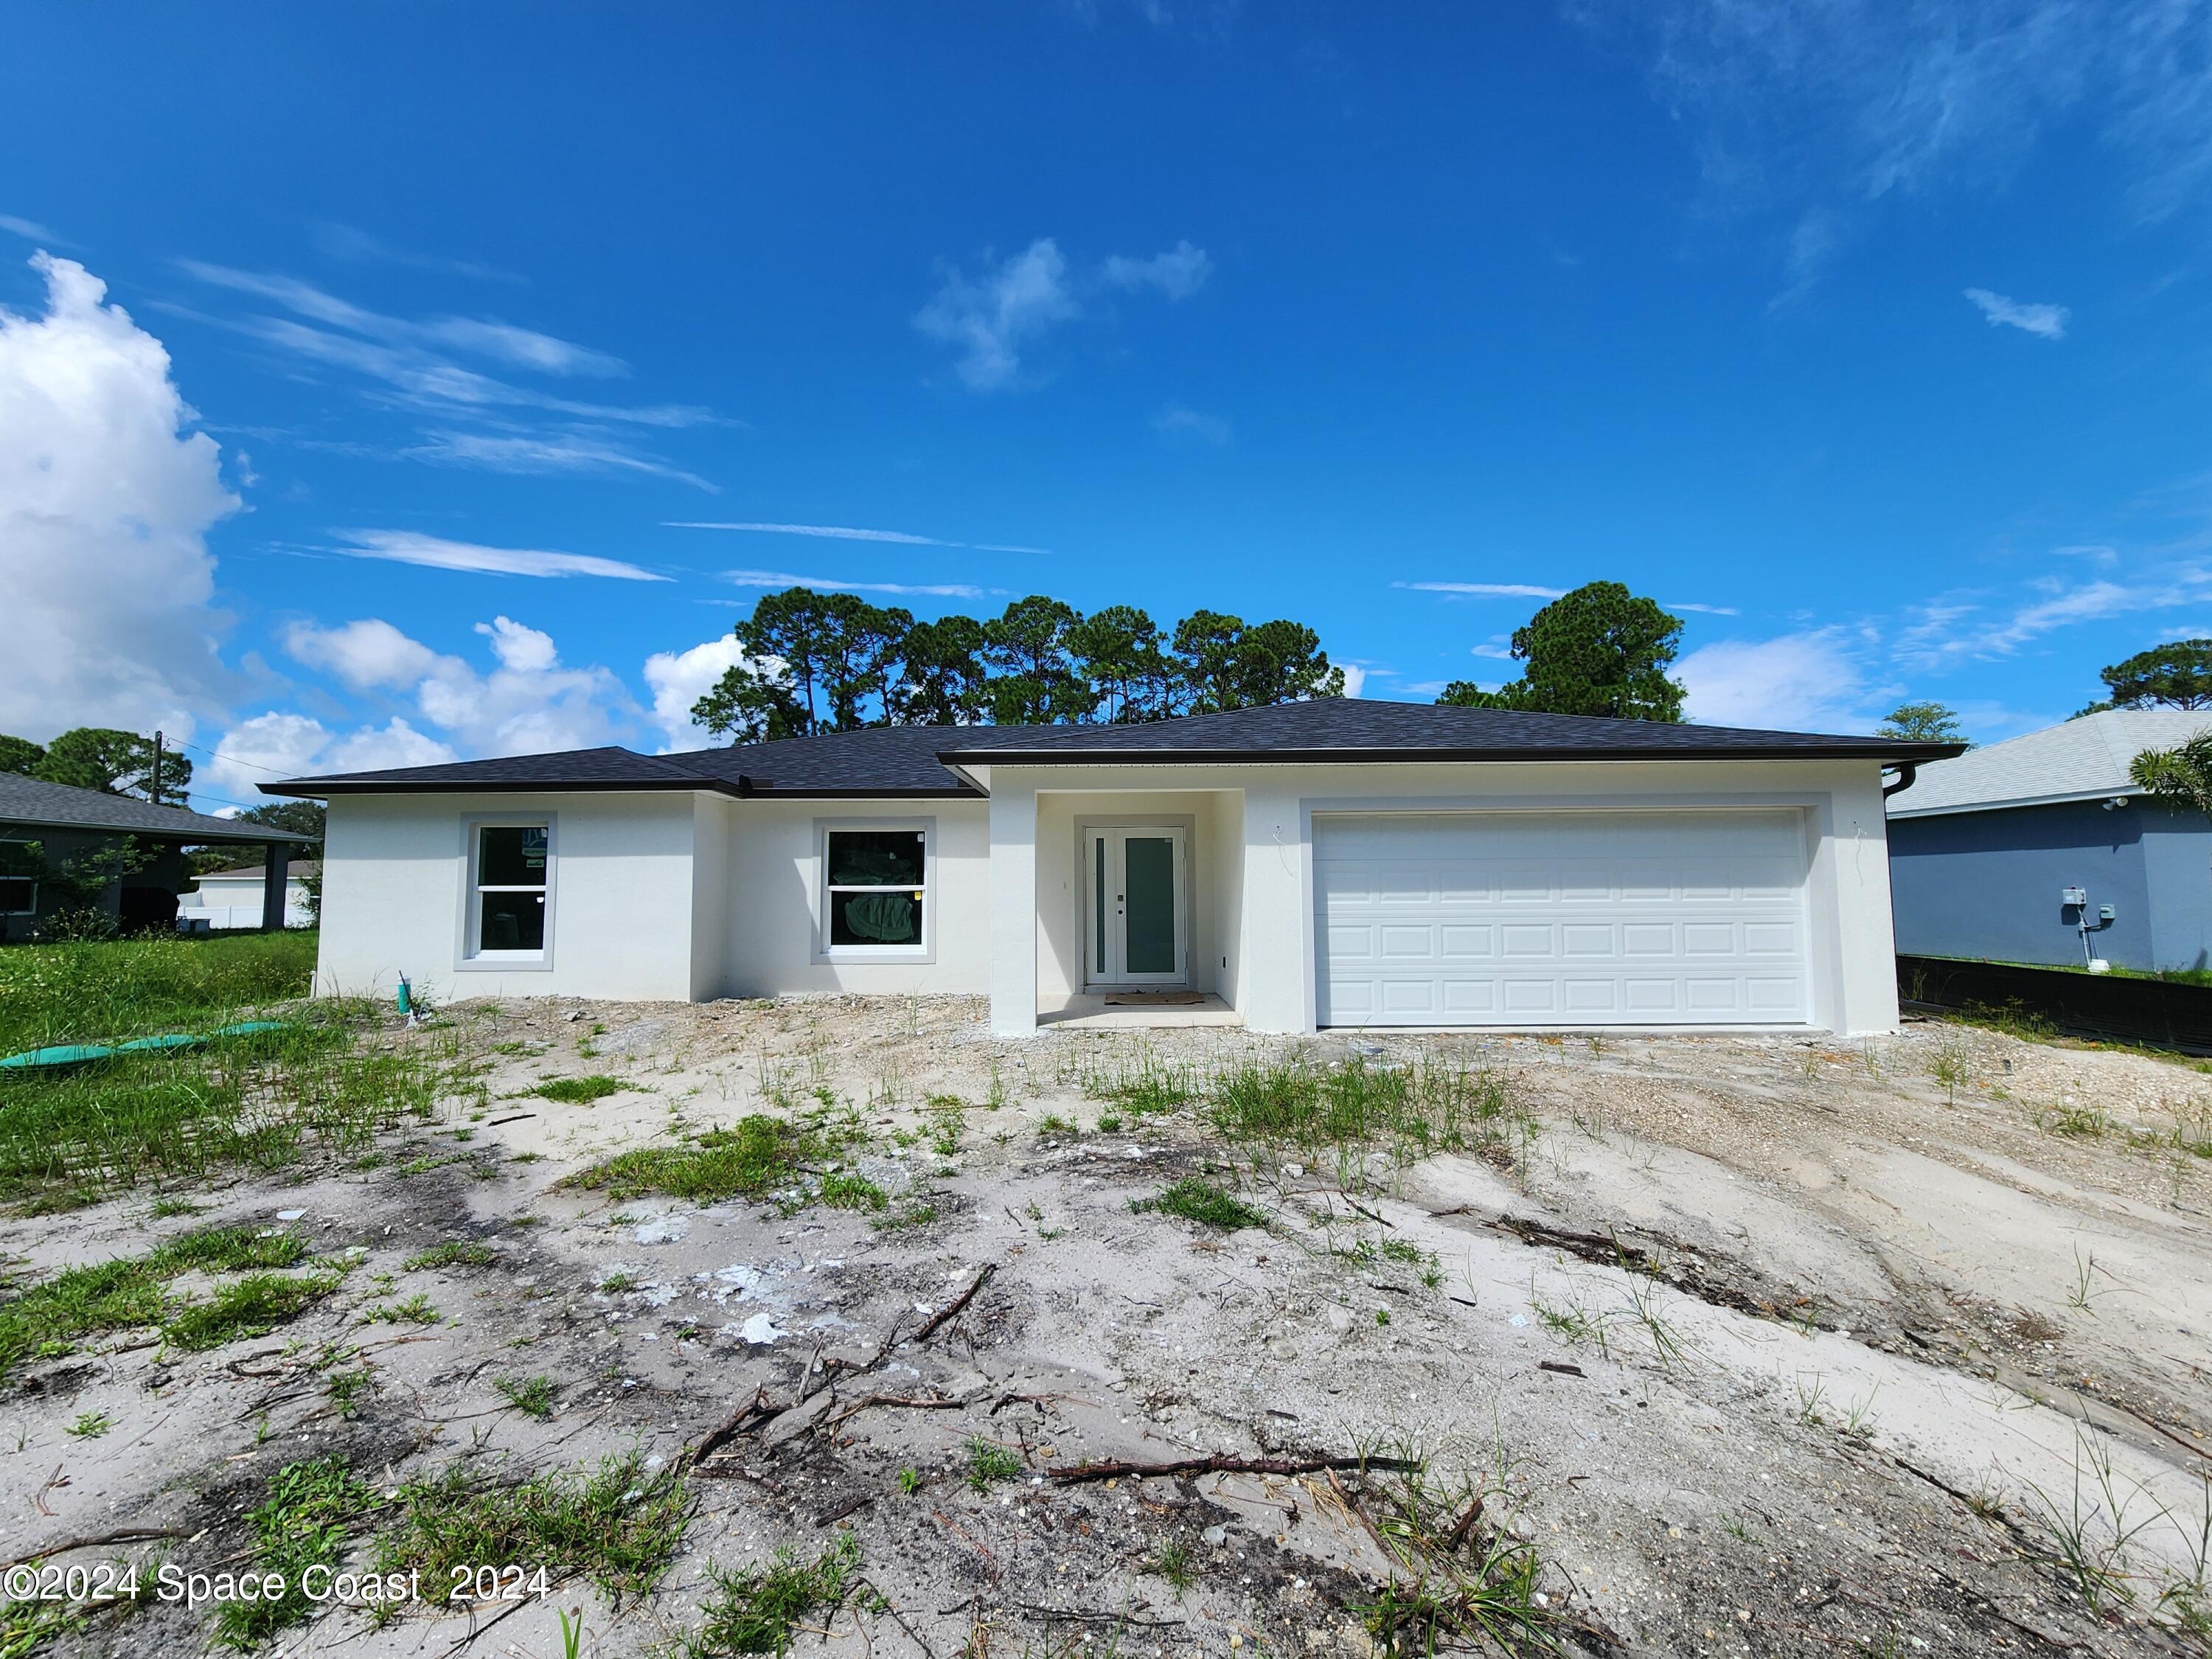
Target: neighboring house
235,898
51,831
1333,863
1986,849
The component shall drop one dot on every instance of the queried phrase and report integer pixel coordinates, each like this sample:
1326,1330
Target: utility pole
154,781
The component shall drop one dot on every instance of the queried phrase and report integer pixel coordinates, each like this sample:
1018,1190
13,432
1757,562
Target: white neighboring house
1335,863
232,898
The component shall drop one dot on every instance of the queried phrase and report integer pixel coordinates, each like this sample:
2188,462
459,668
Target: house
1332,863
227,899
54,838
1988,852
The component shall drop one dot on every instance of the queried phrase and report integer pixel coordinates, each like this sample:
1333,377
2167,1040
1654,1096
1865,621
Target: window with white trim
512,869
875,887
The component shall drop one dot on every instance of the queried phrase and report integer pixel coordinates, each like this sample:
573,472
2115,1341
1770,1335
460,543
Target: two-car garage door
1529,918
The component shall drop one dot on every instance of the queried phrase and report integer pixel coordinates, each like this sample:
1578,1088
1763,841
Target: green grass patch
456,1253
1428,1106
130,1292
581,1090
617,1525
759,1157
1145,1085
533,1396
760,1609
87,993
989,1463
301,1524
252,1306
1209,1207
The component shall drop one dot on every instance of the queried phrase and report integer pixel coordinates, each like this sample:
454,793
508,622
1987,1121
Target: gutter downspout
1906,771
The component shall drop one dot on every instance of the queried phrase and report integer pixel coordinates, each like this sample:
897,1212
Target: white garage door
1661,918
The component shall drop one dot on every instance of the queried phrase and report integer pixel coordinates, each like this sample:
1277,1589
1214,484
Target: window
19,896
512,862
875,881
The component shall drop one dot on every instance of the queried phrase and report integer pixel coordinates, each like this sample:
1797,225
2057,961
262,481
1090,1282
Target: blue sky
1877,344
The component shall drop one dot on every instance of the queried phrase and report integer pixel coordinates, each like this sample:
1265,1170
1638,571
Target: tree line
833,662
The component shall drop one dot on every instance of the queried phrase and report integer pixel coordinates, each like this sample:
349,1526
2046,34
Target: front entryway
1137,929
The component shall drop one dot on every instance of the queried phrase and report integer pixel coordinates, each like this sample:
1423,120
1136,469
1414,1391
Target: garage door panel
1528,918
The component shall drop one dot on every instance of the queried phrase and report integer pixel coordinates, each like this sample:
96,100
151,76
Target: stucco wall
621,924
1987,885
1212,874
772,915
1847,886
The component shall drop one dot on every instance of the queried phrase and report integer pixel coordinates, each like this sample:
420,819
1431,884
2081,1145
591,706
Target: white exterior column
1277,956
1013,906
1864,994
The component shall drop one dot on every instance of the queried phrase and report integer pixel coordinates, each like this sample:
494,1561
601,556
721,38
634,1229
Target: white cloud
407,547
106,500
1947,630
1495,590
1176,422
32,231
1355,678
833,531
784,578
1801,681
1178,273
989,318
488,338
348,242
285,745
571,452
369,654
680,678
1707,609
993,317
1497,647
529,704
2046,321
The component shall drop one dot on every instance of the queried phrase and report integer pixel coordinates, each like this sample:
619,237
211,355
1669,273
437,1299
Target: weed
615,1283
760,1156
533,1397
988,1461
847,1191
1737,1528
301,1523
455,1254
1466,1578
90,1426
1108,1124
1172,1561
165,1208
414,1310
1812,1401
948,1121
2085,1268
1429,1106
1195,1200
579,1091
1147,1087
344,1386
909,1214
760,1609
909,1480
2092,1529
619,1525
2076,1122
1950,1068
1052,1123
252,1306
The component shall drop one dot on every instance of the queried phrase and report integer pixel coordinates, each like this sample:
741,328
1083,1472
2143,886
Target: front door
1136,901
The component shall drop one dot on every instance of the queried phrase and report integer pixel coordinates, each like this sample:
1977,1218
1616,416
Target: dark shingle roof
1355,729
911,760
34,802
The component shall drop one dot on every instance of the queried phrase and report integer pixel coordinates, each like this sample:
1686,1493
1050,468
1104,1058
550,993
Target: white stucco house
1335,863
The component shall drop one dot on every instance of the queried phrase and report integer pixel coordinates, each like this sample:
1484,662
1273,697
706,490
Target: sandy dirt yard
1649,1345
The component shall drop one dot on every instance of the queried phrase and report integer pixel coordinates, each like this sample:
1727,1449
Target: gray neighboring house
1984,849
44,825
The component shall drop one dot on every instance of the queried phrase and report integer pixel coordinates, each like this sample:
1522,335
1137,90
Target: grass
90,1426
988,1463
1428,1106
131,1292
579,1091
533,1397
1195,1200
455,1254
1171,1562
619,1525
303,1522
1144,1086
759,1157
1467,1580
333,1076
760,1609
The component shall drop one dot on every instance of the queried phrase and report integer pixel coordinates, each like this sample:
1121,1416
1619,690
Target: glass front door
1136,905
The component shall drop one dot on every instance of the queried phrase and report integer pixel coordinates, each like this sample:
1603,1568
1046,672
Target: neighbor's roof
920,760
297,869
2085,759
41,804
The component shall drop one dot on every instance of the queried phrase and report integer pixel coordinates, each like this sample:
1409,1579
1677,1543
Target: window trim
32,909
469,957
818,882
